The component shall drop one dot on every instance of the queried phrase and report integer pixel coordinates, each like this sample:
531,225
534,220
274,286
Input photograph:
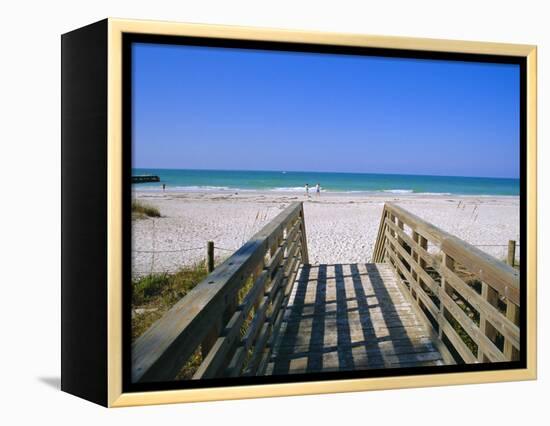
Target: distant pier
145,178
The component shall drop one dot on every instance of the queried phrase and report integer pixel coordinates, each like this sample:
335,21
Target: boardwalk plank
350,317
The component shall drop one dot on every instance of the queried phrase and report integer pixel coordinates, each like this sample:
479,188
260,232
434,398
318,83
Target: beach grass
154,294
142,211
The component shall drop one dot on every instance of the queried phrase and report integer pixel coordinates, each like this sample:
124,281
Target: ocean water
289,181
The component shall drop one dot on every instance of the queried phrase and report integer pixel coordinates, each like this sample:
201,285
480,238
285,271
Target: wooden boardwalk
350,317
427,299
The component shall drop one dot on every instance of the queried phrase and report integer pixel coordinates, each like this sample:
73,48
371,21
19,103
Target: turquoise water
235,181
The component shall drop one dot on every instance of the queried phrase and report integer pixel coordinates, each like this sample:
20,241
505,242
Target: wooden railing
470,298
231,319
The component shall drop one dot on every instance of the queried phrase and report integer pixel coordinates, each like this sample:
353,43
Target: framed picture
254,212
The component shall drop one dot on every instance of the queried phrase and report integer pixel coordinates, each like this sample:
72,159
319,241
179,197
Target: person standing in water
307,190
163,187
318,189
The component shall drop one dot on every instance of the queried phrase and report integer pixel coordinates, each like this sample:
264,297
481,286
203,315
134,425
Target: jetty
425,298
145,178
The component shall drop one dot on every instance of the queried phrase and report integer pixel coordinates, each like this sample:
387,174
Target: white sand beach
340,227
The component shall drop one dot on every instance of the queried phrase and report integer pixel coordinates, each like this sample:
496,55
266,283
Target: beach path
350,317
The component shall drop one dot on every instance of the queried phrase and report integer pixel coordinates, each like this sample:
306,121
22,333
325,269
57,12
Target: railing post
424,245
449,263
489,294
400,240
511,253
416,257
209,256
255,275
512,313
303,249
378,252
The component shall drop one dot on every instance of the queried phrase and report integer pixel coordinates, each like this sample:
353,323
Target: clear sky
232,109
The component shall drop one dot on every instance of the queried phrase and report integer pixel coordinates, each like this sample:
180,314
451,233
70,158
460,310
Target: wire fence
501,251
168,251
160,256
164,261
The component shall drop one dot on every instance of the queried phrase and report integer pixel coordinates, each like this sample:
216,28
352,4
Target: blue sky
232,109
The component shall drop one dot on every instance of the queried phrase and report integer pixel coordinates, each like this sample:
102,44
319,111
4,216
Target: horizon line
324,171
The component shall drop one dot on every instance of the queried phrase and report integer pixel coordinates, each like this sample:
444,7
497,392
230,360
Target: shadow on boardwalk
350,317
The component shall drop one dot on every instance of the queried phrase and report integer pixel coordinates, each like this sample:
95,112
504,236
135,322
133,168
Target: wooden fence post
209,256
511,253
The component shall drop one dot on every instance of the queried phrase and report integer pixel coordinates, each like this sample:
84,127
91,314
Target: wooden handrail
470,298
233,331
